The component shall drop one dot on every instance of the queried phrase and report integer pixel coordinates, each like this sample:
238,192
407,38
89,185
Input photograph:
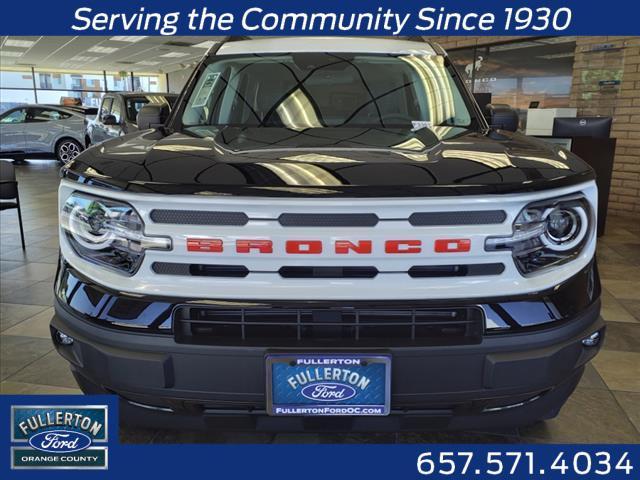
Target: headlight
107,232
547,233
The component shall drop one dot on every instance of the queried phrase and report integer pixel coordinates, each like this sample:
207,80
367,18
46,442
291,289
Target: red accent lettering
361,247
262,246
212,245
403,246
452,245
304,247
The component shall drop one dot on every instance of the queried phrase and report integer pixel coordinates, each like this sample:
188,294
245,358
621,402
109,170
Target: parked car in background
118,114
89,112
43,131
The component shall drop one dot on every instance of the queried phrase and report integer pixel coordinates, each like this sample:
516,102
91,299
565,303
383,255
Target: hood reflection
302,175
328,161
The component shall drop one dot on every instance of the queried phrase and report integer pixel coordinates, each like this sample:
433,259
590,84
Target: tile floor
604,408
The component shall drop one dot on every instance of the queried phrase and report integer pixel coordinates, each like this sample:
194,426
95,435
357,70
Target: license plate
329,385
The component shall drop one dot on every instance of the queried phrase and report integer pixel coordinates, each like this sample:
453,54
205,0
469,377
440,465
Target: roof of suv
326,44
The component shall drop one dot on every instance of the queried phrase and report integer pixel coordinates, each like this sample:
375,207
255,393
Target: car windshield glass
315,90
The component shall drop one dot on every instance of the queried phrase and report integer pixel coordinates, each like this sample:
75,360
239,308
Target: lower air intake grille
340,326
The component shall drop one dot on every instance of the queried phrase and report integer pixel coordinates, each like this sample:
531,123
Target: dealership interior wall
594,60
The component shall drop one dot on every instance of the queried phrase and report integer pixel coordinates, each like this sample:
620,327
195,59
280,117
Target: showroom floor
604,408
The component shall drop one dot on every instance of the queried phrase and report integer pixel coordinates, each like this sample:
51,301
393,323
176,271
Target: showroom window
70,81
146,83
10,98
52,87
17,79
519,73
16,88
119,82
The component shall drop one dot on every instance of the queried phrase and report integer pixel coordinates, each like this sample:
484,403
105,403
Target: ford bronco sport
326,233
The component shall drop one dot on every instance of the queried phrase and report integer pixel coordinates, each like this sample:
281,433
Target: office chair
9,197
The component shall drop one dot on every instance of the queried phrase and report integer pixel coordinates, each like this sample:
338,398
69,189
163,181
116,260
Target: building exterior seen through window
45,86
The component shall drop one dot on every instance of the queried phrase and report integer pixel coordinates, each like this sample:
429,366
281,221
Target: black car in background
118,114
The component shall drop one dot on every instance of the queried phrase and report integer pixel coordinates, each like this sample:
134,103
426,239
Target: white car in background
42,131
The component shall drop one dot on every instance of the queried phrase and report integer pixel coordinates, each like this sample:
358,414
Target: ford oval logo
328,392
60,441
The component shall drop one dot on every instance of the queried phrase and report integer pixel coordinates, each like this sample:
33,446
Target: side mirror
503,117
152,116
109,119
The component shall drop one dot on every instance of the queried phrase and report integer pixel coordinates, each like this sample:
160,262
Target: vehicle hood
327,162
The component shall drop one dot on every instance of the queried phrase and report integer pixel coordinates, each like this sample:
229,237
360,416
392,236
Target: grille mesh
198,217
199,270
328,272
203,217
328,219
480,217
470,270
418,271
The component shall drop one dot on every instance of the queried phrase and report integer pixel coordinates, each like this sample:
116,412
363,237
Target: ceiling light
6,53
207,44
10,42
102,49
130,39
174,55
84,59
147,62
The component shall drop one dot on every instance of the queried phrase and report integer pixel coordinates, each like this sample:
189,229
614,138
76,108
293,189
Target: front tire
67,149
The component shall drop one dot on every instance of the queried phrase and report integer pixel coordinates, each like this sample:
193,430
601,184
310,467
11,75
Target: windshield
316,90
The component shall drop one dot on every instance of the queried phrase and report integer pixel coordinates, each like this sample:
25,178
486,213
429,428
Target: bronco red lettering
213,245
452,245
262,246
362,246
403,246
304,247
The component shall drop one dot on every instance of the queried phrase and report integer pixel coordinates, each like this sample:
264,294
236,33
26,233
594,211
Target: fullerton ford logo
55,436
328,380
328,392
60,441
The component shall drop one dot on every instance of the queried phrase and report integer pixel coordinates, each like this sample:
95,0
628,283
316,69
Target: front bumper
507,379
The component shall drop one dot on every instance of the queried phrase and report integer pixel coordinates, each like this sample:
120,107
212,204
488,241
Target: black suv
324,229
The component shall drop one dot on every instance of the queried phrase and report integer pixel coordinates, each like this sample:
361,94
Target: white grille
392,281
